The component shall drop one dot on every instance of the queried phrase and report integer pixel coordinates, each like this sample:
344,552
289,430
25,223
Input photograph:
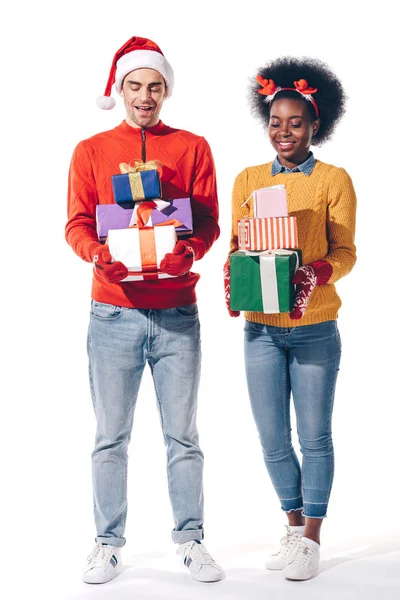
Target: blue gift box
131,187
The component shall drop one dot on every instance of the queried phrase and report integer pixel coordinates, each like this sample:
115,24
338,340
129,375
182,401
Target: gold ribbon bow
133,173
150,165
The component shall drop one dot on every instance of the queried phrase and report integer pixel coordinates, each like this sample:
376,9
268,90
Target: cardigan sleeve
341,222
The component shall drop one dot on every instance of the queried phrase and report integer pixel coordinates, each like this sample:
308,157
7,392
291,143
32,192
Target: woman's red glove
305,279
227,287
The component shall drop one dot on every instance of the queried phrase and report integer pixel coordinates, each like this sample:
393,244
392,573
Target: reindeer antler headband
269,89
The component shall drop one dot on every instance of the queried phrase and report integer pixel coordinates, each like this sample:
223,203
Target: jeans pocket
253,325
105,312
187,311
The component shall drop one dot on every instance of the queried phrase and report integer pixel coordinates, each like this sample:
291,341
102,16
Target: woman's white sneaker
104,562
305,561
201,565
278,561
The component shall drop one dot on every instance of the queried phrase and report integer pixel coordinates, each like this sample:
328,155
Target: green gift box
262,281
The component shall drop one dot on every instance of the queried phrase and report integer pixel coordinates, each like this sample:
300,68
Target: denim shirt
306,167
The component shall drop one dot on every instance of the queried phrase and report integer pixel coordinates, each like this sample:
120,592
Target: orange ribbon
144,212
147,242
148,252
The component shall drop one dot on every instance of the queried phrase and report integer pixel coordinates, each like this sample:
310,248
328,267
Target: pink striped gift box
269,233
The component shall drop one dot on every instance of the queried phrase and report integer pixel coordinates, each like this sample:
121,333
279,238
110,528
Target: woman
300,102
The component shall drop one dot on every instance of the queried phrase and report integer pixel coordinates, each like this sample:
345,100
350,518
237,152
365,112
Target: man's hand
111,272
180,261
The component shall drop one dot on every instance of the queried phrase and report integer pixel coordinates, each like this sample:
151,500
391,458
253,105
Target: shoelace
303,554
100,555
288,541
198,553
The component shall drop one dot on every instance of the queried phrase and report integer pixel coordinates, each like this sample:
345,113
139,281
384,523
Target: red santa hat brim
144,59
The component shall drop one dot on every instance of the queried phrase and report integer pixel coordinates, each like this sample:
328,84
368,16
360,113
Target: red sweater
188,171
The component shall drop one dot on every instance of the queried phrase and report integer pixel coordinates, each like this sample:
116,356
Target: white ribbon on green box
264,284
269,279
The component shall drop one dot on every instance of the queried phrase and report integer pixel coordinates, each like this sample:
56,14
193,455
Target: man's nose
144,93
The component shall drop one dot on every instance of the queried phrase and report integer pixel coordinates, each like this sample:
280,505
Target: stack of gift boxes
140,228
262,269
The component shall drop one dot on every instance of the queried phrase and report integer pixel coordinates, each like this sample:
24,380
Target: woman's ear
316,126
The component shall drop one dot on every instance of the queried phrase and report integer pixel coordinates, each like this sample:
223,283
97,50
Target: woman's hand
305,279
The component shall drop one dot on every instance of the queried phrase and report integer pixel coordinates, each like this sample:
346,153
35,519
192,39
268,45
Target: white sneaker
103,564
201,565
289,542
305,561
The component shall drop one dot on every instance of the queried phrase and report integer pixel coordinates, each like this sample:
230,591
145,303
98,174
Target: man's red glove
305,279
111,272
180,261
227,287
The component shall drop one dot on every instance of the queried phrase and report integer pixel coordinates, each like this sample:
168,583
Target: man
134,322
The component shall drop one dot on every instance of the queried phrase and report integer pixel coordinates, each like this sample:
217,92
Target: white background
55,62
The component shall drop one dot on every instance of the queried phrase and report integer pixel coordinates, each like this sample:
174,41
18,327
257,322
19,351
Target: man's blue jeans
302,361
120,342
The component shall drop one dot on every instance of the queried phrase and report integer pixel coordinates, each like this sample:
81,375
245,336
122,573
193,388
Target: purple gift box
113,216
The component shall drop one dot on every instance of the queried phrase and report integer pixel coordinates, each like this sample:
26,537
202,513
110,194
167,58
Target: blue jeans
302,361
120,342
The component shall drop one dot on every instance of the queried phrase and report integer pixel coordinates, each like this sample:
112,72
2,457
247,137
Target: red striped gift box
267,234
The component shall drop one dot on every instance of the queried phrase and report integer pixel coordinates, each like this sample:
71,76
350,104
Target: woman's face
290,130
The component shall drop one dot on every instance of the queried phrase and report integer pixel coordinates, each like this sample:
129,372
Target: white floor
367,569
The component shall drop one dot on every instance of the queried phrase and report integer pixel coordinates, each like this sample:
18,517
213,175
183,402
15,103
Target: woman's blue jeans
301,361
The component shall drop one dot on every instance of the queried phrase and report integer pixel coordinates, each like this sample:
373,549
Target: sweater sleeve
204,202
341,222
80,230
239,196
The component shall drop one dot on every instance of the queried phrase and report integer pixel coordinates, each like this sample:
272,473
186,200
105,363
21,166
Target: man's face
143,91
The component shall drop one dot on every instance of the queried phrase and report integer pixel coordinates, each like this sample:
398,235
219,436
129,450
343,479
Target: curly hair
330,97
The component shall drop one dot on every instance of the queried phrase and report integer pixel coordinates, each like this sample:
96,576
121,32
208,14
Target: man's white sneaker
289,542
201,565
104,563
305,561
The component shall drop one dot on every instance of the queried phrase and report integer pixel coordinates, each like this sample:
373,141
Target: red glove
227,287
104,268
305,279
180,261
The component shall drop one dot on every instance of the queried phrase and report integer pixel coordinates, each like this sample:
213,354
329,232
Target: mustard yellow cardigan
325,206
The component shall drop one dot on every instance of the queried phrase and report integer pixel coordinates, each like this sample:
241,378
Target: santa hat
136,53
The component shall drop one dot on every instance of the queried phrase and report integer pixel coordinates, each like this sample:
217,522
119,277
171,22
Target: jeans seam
161,419
338,356
91,382
286,426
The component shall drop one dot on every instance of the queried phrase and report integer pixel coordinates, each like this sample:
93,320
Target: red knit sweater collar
158,129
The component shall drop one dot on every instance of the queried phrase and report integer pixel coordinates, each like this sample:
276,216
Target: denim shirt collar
306,167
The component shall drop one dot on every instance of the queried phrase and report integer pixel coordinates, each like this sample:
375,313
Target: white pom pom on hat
136,53
105,102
